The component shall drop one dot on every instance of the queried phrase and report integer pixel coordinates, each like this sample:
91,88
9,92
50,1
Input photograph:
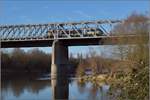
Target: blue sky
45,11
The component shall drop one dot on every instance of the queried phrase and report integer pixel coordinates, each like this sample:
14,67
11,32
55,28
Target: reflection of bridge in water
60,36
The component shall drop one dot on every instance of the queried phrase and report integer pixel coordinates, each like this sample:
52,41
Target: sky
46,11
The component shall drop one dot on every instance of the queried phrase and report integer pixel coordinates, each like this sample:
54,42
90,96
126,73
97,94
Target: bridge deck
101,40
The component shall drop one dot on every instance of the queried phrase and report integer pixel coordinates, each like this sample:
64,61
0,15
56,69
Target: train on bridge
74,33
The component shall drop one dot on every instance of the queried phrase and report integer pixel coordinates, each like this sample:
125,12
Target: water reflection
60,89
46,89
17,88
93,90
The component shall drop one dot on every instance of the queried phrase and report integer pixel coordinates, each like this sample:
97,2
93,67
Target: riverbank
99,79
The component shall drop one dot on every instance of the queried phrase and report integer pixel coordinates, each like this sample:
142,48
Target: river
41,89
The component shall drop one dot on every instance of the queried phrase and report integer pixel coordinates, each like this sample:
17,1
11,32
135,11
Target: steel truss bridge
55,30
71,33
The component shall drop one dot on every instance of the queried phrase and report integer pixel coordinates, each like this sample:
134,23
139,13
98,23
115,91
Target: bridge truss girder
55,30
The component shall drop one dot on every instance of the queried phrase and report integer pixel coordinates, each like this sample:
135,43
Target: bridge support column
59,69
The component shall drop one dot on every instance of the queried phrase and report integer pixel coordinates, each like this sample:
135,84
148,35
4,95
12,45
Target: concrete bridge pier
59,69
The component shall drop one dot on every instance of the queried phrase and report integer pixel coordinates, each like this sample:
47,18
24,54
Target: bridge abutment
59,70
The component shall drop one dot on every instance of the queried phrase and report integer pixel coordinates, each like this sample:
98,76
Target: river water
41,89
